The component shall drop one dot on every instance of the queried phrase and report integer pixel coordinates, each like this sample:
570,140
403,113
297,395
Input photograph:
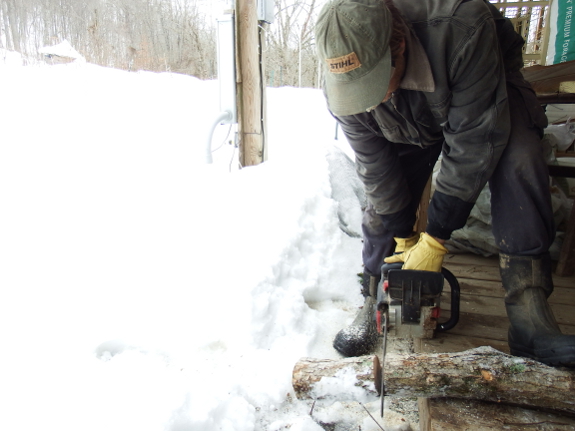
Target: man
419,78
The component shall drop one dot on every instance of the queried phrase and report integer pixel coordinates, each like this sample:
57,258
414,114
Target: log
452,414
482,373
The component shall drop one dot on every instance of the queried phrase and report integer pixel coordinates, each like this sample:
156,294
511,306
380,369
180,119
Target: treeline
158,35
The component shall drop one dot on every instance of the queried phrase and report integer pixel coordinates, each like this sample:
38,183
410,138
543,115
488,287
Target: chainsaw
408,305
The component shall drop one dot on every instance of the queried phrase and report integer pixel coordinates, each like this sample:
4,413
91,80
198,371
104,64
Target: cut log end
377,374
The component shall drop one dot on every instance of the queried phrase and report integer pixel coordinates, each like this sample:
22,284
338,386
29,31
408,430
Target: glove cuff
404,244
433,244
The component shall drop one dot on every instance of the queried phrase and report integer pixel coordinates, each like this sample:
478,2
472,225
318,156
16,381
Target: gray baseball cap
352,39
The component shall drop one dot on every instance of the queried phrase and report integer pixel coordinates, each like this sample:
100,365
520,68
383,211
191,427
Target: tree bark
482,373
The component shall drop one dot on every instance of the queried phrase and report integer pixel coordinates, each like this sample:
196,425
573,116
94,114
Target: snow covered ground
142,289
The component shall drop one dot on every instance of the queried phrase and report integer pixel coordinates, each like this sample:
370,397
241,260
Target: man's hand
426,255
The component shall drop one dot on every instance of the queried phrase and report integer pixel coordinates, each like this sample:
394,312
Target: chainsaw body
412,299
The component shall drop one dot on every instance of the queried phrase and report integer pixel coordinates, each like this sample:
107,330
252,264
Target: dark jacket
460,53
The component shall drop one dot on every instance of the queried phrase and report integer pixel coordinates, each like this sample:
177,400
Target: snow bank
142,289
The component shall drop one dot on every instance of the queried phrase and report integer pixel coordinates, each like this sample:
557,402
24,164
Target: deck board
487,268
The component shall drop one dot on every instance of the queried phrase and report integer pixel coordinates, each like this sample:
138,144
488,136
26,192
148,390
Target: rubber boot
533,330
360,338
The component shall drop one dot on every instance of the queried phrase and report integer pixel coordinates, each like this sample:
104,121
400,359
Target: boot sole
554,357
353,348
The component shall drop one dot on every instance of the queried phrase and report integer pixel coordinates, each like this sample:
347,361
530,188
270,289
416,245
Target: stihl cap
352,38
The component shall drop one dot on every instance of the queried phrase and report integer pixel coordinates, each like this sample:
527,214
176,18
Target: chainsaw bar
384,351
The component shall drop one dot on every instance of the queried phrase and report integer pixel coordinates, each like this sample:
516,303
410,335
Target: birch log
482,373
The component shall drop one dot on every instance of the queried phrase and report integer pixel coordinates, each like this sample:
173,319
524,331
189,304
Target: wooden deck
483,322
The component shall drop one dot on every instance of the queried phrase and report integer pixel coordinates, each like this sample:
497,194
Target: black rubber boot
533,331
361,336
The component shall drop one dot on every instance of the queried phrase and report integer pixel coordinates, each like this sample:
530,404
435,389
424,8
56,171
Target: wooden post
250,84
421,222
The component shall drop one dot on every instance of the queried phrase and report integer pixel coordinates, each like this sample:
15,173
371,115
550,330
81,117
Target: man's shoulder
429,10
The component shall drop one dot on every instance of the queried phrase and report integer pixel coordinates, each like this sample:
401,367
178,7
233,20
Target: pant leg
378,242
521,208
417,164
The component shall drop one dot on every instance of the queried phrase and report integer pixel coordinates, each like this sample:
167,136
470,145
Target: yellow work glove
426,255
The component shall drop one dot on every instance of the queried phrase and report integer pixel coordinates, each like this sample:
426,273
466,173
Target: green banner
565,41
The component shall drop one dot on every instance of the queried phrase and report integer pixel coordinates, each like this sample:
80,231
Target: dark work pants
521,210
417,165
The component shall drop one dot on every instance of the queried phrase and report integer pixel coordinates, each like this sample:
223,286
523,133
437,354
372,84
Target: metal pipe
223,117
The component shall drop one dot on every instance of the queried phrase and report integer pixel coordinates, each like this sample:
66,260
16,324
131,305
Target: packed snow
143,289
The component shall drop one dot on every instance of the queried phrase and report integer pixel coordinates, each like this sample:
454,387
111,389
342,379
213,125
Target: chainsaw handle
386,267
455,299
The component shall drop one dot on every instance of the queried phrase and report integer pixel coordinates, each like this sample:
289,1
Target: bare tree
290,47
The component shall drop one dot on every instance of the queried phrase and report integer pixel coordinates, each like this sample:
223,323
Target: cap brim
354,97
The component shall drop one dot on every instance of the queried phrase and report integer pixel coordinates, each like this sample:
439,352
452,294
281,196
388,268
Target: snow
343,382
62,49
145,290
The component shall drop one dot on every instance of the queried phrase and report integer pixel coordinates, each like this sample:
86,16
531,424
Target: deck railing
531,20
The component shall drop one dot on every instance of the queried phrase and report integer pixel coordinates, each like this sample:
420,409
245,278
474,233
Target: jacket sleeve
510,42
378,167
476,130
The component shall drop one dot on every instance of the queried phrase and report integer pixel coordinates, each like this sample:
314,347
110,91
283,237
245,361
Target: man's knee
371,222
524,153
